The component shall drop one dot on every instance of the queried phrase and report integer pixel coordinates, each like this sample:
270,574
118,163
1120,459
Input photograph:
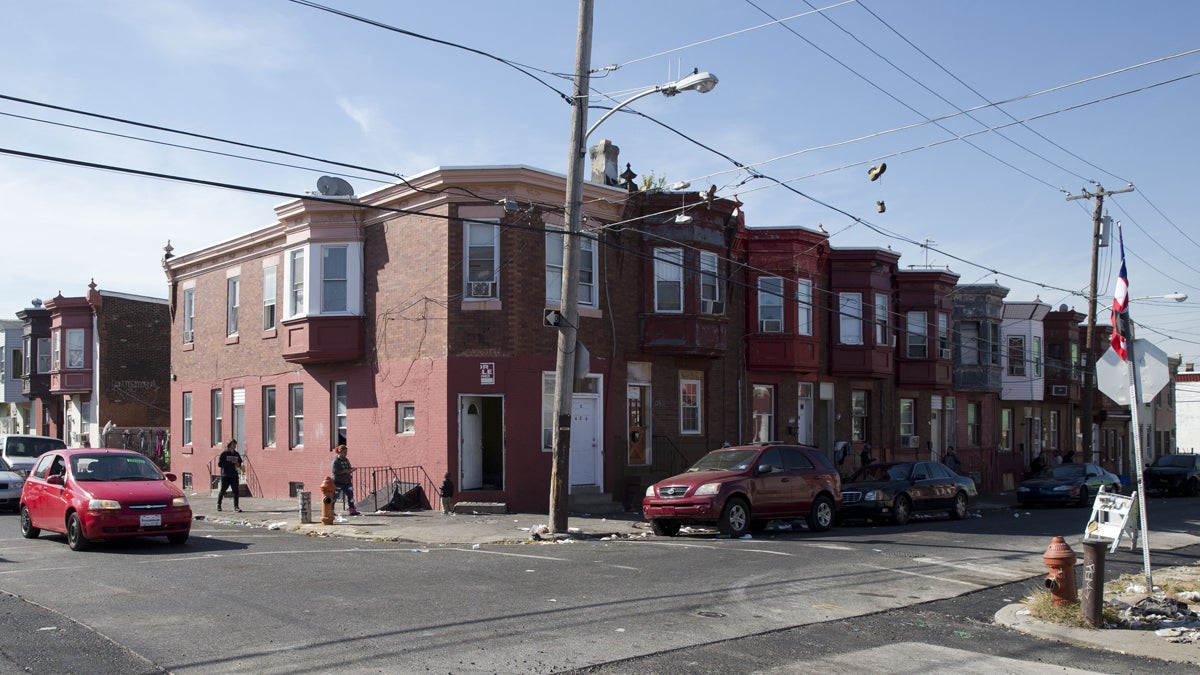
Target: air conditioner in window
187,336
482,289
911,441
770,326
712,306
1058,390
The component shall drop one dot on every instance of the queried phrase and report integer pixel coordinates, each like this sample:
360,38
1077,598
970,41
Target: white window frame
916,342
186,407
691,408
296,415
339,402
850,329
481,236
1006,428
233,299
668,274
804,306
1036,355
75,348
883,317
908,417
43,355
216,414
27,357
549,404
406,418
270,412
711,291
762,412
189,315
860,415
770,304
335,286
943,329
294,281
270,318
1016,355
587,269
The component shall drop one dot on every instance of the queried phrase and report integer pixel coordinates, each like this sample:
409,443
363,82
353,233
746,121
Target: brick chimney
604,162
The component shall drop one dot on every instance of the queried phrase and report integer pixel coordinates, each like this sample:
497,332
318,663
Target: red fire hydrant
1060,580
327,489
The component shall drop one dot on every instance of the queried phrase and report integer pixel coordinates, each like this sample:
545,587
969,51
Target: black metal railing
668,458
396,488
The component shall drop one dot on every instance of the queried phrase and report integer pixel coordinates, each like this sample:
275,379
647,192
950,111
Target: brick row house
410,324
95,370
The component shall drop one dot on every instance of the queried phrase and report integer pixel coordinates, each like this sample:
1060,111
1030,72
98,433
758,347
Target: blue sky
812,101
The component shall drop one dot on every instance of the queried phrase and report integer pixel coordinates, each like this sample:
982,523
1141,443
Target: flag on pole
1120,306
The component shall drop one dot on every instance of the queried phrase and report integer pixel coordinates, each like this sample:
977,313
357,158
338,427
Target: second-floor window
917,340
295,291
770,305
710,284
943,327
668,280
189,315
882,318
587,269
232,301
804,306
43,355
850,318
333,279
268,297
74,347
1016,355
483,259
1036,355
56,348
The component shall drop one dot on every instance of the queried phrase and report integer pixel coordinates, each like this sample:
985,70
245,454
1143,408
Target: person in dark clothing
1069,457
1037,465
951,460
229,462
446,492
343,477
865,456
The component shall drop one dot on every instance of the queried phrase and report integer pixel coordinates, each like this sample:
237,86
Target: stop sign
1112,374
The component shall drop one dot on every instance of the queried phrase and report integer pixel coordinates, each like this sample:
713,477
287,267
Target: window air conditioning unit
482,289
770,326
712,306
913,442
1058,390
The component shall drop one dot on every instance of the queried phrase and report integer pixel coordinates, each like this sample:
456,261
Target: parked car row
741,489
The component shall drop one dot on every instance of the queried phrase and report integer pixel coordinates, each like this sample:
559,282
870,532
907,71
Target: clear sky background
1086,91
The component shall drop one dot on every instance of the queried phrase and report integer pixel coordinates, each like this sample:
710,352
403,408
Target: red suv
741,489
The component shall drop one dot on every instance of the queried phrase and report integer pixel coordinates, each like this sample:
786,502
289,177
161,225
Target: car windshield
104,468
1067,471
882,472
725,460
1181,461
32,447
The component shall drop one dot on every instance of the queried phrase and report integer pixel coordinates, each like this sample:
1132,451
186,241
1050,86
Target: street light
1177,297
564,370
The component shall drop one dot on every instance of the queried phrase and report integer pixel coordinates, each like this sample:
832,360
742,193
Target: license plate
151,521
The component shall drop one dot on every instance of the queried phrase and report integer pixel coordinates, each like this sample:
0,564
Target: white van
21,451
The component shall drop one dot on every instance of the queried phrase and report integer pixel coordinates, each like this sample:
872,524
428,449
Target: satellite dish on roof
330,186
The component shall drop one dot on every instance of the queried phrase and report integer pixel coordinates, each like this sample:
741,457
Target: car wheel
1084,496
901,509
735,519
177,538
820,518
959,510
27,529
75,538
664,528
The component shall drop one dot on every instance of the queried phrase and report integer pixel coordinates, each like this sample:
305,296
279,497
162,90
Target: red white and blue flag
1120,306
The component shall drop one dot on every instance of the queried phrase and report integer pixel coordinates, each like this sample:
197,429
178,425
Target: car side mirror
56,479
171,477
765,468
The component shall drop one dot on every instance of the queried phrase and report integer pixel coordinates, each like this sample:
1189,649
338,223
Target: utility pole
1089,361
564,369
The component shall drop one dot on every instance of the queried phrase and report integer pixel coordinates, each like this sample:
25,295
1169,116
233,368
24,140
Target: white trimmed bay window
331,285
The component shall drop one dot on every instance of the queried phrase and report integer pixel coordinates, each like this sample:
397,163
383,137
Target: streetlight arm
620,105
697,81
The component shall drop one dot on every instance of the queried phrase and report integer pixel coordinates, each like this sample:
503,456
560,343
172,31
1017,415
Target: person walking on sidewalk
229,462
343,478
446,492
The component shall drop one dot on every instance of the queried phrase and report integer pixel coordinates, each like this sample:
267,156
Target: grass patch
1041,606
1170,587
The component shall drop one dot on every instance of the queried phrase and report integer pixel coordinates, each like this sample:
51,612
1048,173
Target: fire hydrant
1060,580
327,489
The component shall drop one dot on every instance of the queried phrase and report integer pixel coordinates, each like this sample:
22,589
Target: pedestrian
1036,466
951,460
446,491
229,463
1069,457
343,478
864,457
1058,457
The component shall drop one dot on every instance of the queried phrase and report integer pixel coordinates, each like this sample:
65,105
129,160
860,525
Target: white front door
935,435
804,414
585,443
470,459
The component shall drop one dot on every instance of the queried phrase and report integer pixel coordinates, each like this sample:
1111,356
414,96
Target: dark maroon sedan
91,494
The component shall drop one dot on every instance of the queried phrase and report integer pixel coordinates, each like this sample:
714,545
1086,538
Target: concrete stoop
589,499
469,508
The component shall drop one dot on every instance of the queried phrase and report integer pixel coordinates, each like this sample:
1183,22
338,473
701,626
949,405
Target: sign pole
1135,403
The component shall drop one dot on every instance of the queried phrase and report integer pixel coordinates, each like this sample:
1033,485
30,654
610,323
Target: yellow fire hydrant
327,489
1060,580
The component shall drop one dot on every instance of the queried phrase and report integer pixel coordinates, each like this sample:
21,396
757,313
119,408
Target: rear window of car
31,447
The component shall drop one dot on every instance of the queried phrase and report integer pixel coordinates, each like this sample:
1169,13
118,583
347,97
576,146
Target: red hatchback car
741,489
90,494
